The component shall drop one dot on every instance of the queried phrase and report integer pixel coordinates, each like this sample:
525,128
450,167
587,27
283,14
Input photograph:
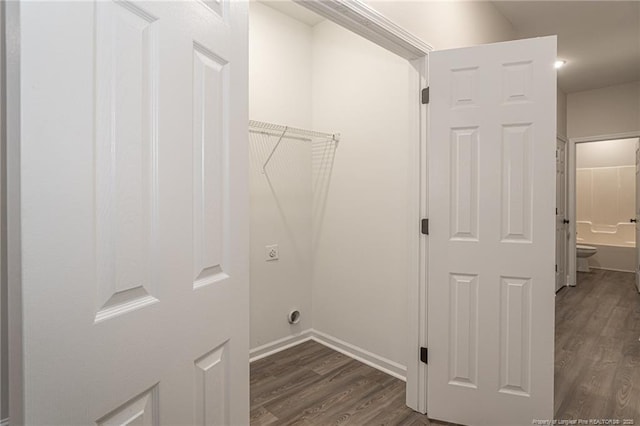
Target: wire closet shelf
281,132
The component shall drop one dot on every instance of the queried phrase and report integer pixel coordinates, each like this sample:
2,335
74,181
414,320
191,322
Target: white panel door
561,214
637,216
491,261
134,213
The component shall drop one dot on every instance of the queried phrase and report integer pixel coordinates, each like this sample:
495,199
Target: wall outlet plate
272,252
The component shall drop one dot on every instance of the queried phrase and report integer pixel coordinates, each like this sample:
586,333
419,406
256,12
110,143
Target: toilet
583,253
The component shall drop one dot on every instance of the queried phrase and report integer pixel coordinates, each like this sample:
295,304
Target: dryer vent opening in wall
294,317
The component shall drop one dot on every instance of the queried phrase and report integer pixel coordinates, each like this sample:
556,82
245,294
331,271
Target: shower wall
605,201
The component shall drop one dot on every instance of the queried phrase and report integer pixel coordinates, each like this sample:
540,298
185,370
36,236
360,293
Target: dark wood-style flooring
311,384
597,369
597,363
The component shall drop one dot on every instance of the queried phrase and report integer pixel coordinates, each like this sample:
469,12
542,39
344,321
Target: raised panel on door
135,265
492,197
210,144
126,143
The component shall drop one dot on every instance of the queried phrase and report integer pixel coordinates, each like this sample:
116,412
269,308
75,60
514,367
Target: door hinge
424,355
425,95
424,226
556,267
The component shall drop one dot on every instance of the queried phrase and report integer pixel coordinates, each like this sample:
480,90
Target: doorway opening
603,204
596,337
334,117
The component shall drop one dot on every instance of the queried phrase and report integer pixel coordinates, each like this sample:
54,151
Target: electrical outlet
272,252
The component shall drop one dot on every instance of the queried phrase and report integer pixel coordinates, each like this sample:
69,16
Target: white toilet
583,253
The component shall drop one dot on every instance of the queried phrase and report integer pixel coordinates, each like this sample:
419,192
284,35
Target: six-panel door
492,189
134,206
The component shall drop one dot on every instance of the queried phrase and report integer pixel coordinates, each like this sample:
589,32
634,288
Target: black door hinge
425,95
424,226
424,355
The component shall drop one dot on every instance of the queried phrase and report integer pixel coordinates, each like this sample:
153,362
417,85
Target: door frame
571,192
365,21
567,263
11,200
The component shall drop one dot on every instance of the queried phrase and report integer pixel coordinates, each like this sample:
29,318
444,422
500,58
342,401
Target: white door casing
638,215
134,202
492,233
561,214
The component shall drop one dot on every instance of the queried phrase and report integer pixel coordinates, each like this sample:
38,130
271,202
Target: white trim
571,192
378,362
606,137
13,210
567,262
4,422
416,397
611,269
278,345
362,19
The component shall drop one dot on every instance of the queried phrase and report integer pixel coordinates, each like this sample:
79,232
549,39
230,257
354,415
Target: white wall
619,152
613,109
360,238
449,24
361,255
279,67
280,93
561,109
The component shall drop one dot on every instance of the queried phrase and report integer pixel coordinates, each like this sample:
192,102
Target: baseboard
610,269
352,351
278,345
376,361
4,422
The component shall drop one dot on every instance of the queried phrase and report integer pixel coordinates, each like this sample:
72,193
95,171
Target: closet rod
290,132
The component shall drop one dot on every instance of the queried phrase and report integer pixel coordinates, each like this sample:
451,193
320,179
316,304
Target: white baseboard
278,345
376,361
610,269
4,422
372,360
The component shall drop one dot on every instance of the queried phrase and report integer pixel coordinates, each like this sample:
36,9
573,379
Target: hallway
597,362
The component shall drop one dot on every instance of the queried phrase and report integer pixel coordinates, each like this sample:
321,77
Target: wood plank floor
597,368
597,363
311,384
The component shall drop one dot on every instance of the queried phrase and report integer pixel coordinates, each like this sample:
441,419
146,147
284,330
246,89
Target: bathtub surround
605,202
613,258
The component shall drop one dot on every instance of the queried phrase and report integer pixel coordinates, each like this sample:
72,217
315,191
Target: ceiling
600,40
295,11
